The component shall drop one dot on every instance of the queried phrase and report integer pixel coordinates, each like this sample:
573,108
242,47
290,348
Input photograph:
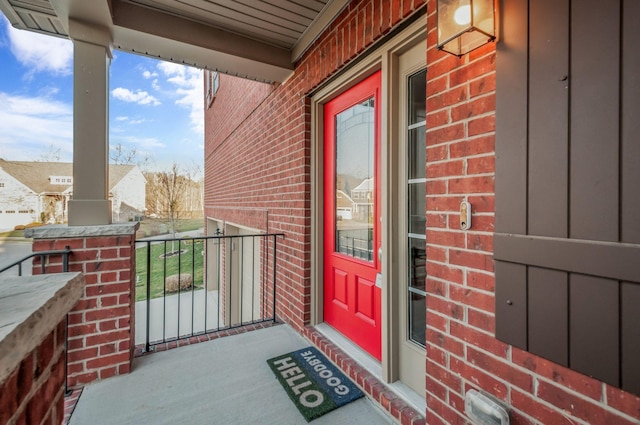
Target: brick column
101,336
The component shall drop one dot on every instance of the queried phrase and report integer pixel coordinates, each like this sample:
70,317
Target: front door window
355,180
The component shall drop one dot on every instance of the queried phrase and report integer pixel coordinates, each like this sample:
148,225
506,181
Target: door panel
340,288
365,299
352,214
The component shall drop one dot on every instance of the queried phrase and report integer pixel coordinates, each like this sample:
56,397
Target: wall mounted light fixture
465,25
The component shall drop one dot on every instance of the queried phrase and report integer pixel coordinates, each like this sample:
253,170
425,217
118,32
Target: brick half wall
34,392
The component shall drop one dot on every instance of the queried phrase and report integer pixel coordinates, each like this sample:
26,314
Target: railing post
65,259
147,346
275,243
67,391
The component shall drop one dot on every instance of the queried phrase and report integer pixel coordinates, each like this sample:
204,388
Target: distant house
344,206
362,196
40,192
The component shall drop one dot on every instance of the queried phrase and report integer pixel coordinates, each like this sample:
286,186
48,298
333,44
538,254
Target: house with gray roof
40,192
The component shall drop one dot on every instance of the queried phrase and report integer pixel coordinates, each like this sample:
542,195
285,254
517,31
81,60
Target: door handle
379,280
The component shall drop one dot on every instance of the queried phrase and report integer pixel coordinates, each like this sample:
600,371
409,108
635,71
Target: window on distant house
62,180
212,82
1,184
10,212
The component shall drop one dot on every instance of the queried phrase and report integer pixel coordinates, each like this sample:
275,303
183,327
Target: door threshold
366,360
373,366
417,401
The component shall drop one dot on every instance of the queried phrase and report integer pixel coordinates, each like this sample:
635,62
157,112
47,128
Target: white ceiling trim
332,9
257,39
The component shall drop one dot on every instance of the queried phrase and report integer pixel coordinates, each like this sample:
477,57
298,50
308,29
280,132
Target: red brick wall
462,350
224,117
34,392
101,325
264,162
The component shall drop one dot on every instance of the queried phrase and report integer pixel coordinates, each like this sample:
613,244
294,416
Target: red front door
352,214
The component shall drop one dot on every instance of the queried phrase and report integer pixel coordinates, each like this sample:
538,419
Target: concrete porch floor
224,381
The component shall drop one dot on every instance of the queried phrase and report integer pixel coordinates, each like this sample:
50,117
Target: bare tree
190,203
167,191
121,155
53,155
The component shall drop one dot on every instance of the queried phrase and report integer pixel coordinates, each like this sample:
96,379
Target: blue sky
156,107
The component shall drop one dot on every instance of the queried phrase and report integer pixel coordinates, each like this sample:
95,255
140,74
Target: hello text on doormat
312,382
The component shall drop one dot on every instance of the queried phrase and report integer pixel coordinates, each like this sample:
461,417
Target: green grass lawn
12,234
189,224
161,267
159,226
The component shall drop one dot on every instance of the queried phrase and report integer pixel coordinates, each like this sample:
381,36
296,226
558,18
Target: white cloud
40,52
169,69
147,74
30,123
49,91
143,144
140,97
188,84
130,121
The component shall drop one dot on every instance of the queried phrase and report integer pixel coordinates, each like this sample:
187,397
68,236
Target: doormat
312,382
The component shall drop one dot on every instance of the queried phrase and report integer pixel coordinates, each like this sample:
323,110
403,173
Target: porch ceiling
258,39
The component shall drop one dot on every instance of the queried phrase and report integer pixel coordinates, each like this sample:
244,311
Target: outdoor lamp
465,25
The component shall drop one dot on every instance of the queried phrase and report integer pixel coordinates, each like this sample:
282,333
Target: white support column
91,60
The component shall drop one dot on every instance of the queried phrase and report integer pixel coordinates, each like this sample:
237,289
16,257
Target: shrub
19,227
31,225
183,279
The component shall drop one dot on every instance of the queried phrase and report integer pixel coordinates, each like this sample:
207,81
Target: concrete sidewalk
184,314
225,381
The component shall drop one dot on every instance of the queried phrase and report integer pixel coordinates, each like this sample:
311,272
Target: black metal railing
191,286
356,243
43,265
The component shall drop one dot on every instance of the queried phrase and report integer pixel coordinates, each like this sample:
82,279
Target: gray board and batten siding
567,241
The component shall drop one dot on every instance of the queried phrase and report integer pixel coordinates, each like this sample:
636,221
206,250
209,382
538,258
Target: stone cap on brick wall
59,231
30,308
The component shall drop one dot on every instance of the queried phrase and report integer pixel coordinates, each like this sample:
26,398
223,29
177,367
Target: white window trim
212,84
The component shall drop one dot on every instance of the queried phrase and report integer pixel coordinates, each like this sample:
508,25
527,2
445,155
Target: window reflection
355,180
